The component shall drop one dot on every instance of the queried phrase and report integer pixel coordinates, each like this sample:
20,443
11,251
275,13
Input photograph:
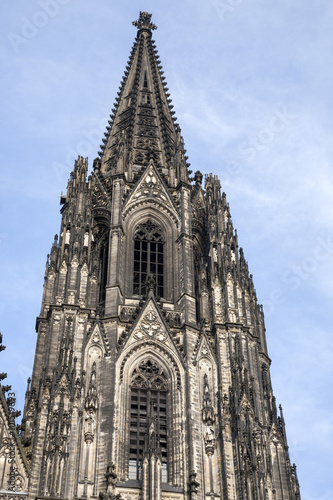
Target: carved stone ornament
150,327
144,22
150,187
210,441
96,338
208,415
148,374
127,313
89,427
91,401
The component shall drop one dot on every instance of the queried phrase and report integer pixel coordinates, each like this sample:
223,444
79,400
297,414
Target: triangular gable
151,188
62,384
198,201
204,349
245,405
198,213
275,435
101,197
97,338
150,326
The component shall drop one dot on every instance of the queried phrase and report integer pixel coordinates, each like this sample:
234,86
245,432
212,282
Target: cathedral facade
151,377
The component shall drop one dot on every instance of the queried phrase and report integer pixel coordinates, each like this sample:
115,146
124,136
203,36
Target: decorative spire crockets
142,125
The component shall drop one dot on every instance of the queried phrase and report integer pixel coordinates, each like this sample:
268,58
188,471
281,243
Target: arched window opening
196,283
104,252
148,258
148,401
145,81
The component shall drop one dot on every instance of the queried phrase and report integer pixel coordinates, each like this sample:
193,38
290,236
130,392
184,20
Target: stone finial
198,178
110,476
151,285
144,22
193,483
111,480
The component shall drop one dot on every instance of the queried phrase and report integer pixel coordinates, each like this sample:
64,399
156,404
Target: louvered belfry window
148,258
148,402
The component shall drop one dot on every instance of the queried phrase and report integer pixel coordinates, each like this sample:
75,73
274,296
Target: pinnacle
144,22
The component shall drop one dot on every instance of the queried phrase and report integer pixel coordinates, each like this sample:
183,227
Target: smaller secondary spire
144,22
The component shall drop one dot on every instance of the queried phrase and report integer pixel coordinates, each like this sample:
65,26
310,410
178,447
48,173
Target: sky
251,83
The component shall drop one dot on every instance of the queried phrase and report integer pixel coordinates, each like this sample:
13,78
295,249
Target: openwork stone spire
142,125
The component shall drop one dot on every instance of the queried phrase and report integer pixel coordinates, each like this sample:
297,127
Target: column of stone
38,450
185,245
225,381
108,380
83,286
75,438
113,289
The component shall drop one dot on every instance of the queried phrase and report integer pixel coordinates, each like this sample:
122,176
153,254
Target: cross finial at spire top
144,22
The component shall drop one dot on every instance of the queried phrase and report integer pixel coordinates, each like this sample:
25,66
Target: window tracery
148,257
149,389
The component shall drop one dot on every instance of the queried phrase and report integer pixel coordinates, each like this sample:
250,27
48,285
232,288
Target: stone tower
151,377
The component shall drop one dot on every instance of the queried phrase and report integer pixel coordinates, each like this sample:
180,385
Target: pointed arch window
148,405
145,81
104,252
148,257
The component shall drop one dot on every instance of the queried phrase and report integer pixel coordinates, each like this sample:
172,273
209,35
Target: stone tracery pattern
151,187
150,327
148,375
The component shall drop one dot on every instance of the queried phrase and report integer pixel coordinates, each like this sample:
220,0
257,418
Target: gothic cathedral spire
151,377
142,125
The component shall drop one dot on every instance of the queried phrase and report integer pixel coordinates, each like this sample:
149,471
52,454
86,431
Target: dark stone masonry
151,378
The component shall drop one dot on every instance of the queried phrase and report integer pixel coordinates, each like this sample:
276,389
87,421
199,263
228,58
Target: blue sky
251,82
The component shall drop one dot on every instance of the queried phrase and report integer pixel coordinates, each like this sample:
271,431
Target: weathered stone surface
151,376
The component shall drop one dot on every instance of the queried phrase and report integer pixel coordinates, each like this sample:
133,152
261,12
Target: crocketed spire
142,124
